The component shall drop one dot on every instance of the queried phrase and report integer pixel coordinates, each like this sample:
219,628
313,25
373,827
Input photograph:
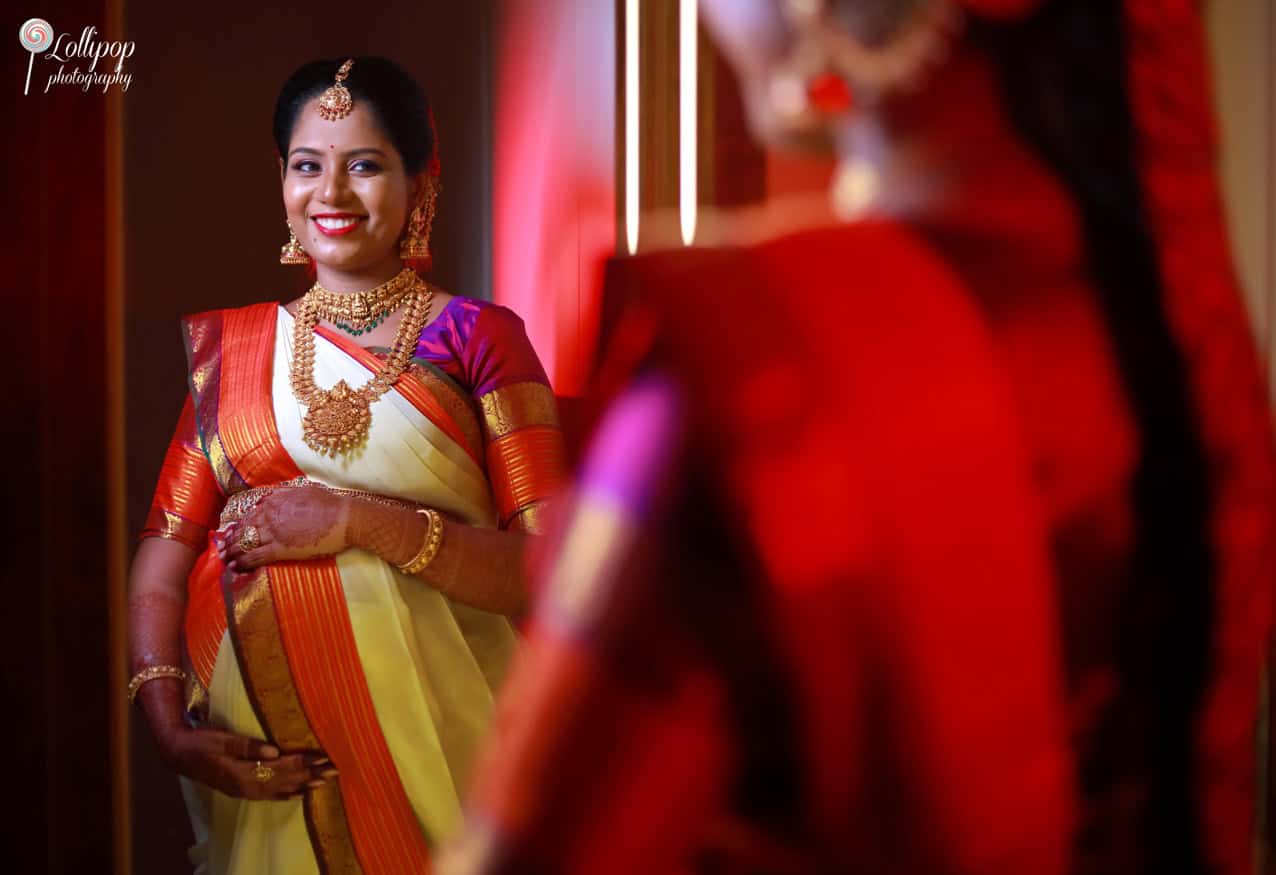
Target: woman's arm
156,605
184,508
223,761
482,568
479,567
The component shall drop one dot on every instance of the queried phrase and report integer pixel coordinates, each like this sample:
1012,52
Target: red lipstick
336,232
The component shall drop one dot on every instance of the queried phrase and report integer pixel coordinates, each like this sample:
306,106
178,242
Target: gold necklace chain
338,419
360,310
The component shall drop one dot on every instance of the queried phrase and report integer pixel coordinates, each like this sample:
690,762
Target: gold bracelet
150,673
429,547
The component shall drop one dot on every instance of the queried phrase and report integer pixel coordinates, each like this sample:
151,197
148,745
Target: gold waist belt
241,504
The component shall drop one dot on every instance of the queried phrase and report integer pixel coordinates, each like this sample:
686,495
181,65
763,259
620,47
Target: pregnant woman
319,609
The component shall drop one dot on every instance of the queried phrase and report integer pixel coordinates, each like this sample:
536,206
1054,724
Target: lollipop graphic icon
36,35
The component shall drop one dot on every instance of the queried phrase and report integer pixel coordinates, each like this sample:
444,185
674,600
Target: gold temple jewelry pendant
338,423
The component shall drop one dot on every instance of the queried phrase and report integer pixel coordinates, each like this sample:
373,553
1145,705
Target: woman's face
345,190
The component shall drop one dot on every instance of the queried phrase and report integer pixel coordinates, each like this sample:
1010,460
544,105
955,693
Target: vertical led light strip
631,124
687,118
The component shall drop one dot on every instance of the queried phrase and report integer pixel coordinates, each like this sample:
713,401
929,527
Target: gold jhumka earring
292,253
416,243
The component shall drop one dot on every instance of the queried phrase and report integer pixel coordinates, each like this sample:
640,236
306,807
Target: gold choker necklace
338,419
360,312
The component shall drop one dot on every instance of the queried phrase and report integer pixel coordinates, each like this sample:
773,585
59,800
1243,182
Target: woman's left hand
290,524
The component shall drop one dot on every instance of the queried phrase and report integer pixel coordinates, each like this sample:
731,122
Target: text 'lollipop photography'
77,58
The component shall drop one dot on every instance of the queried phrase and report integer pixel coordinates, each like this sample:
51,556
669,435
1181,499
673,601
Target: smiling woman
349,183
319,606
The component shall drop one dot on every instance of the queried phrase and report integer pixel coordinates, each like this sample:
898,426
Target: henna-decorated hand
299,523
228,764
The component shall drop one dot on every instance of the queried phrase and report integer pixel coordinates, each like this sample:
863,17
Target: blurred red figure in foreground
940,541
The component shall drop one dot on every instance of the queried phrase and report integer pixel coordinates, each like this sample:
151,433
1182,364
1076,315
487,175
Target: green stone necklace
358,313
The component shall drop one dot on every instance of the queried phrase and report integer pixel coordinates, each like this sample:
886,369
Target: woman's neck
345,281
950,156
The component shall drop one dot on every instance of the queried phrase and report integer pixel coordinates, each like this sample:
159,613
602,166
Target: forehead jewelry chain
336,102
338,420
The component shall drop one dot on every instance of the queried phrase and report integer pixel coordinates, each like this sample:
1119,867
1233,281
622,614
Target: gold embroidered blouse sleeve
524,447
187,499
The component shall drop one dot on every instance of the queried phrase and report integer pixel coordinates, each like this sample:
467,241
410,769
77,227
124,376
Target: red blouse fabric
845,604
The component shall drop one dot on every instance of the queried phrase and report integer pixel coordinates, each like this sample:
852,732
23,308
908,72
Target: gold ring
263,773
249,538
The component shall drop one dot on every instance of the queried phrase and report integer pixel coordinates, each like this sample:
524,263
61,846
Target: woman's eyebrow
369,150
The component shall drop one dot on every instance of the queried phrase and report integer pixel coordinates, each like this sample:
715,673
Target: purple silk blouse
480,345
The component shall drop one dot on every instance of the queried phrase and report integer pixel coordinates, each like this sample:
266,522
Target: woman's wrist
358,525
393,533
431,543
162,703
346,515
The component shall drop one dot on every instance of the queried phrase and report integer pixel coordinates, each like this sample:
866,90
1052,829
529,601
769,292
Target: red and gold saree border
247,421
202,334
263,663
526,460
315,628
231,354
525,467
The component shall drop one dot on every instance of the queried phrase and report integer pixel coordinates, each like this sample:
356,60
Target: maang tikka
336,102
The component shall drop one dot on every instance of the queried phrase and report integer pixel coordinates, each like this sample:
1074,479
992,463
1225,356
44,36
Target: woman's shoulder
223,315
476,311
486,342
204,333
468,320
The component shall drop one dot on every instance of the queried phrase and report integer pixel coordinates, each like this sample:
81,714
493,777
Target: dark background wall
204,219
55,676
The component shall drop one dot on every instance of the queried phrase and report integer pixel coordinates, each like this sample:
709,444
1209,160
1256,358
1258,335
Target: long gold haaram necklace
338,419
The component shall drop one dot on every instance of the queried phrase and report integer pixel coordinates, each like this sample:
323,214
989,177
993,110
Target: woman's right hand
226,762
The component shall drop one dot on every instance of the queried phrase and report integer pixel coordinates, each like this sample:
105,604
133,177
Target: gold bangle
429,547
150,673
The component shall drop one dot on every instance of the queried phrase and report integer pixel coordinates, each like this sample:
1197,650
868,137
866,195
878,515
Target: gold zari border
517,406
162,523
254,628
530,519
